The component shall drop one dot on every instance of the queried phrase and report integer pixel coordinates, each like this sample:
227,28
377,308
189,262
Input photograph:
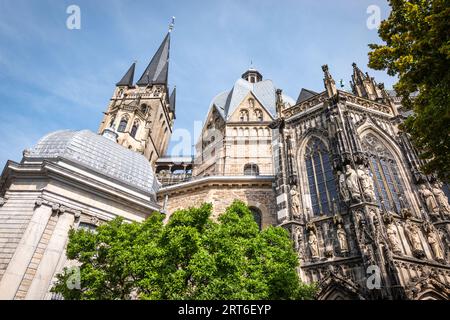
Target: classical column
24,252
47,267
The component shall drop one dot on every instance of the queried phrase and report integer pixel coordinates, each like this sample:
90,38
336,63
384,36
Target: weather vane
172,24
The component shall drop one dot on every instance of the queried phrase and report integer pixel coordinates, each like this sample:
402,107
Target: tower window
123,125
251,169
134,129
322,186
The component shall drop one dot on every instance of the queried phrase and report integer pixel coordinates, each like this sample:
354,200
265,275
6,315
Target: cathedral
333,168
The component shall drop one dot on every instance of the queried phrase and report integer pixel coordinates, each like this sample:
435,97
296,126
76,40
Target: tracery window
123,125
321,182
134,129
385,172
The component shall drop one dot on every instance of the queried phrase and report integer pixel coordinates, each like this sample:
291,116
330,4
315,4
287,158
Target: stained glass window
322,186
387,180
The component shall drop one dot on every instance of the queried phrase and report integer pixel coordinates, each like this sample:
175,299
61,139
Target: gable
253,107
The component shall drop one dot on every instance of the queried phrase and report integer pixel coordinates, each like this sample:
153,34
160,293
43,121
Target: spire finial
172,24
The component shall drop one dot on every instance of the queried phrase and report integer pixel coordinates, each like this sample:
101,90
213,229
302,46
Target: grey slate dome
99,154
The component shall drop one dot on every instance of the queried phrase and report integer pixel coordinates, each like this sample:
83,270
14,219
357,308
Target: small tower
330,84
365,86
252,75
142,114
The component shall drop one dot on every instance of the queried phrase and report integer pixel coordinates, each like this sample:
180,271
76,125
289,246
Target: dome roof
99,154
265,91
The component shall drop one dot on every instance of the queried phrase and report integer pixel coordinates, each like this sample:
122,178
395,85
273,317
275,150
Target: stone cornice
77,179
207,182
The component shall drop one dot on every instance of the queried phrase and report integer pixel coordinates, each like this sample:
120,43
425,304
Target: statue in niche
433,241
429,199
441,199
412,232
343,187
313,244
351,182
295,202
342,239
393,238
366,183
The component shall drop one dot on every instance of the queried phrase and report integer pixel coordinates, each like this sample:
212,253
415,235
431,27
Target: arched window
122,125
259,114
144,108
257,216
244,115
322,185
384,168
134,129
251,169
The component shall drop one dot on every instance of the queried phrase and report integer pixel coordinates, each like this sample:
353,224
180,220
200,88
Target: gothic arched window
122,125
322,185
251,169
257,216
385,172
134,129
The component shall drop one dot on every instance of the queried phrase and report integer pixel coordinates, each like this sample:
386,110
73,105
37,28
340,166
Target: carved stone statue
433,240
393,238
295,202
313,244
429,199
343,187
342,238
366,183
351,181
441,199
412,232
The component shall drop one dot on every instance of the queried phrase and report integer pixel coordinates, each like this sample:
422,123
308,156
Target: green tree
417,49
190,257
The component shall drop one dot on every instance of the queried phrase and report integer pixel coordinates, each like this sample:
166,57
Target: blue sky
54,78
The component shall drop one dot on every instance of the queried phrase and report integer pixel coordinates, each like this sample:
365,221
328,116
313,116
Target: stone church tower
142,114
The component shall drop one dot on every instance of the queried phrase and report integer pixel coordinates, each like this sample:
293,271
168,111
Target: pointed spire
127,79
158,68
328,80
172,101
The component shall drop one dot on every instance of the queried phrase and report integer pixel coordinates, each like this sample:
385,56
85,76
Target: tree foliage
417,49
190,257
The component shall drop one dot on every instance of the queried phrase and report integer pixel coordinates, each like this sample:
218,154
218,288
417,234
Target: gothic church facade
332,168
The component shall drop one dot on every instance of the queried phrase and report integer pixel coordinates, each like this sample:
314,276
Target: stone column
47,267
24,252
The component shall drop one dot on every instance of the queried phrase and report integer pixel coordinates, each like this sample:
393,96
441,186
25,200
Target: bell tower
142,113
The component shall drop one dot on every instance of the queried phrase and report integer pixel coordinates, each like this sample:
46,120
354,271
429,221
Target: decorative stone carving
351,182
345,195
392,236
412,231
433,241
366,183
441,199
296,236
342,239
295,202
313,244
429,199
